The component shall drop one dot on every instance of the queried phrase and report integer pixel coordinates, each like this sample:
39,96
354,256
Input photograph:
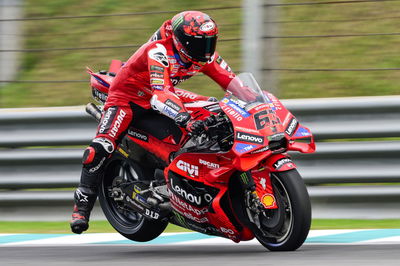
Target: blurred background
302,49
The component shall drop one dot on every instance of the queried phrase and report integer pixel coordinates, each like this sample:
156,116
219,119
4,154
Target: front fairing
259,123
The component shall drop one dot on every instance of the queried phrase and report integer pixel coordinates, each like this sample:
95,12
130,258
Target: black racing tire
127,222
288,226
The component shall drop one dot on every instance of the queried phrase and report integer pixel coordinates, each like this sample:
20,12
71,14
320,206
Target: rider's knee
97,153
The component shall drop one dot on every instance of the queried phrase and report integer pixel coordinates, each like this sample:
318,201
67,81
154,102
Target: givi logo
192,170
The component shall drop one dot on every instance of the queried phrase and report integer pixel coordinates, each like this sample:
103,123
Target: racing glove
196,127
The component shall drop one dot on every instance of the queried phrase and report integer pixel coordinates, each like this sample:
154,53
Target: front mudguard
279,163
262,178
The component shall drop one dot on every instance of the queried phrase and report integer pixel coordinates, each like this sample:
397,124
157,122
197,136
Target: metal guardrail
340,118
335,162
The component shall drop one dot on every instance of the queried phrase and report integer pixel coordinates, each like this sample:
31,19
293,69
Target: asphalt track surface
322,247
308,254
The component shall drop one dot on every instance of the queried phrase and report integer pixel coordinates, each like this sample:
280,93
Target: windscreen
245,91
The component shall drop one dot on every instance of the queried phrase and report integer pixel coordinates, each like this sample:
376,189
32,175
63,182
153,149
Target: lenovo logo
249,138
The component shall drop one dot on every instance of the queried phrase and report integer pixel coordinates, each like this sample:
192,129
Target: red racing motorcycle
235,180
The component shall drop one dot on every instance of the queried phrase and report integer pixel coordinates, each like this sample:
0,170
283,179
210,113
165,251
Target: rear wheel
127,222
286,228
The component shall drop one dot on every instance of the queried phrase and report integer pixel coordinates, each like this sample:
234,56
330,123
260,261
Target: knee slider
95,155
88,155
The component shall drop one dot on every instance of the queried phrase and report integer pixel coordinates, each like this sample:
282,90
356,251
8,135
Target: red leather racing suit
148,79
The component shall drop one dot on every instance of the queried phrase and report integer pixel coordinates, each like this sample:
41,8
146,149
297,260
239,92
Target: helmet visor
200,48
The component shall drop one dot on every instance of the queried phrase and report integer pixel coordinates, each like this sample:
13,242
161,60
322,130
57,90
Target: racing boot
84,201
85,195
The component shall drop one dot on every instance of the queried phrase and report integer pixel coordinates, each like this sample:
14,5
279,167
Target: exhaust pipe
93,111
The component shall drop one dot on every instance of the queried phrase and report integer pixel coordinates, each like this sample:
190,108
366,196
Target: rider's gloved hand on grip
211,120
184,120
195,127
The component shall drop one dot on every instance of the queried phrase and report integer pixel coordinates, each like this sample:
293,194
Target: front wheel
127,222
286,228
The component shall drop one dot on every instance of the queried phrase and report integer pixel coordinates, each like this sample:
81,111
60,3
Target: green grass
346,52
105,227
354,224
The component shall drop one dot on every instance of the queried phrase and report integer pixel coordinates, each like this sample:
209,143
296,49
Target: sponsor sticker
189,194
238,102
227,230
274,102
213,108
157,68
242,148
291,127
168,111
173,105
152,214
158,87
156,75
241,111
246,137
302,132
235,105
219,60
186,94
263,183
281,162
138,135
209,164
106,120
192,170
229,111
261,106
156,81
268,200
117,123
99,95
260,150
176,80
207,26
223,64
246,129
188,207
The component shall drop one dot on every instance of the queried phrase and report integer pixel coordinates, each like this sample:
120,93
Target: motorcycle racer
178,50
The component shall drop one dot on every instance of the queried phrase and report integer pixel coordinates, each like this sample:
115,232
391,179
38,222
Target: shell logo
268,200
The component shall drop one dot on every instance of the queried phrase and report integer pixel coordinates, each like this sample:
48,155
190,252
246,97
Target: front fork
259,193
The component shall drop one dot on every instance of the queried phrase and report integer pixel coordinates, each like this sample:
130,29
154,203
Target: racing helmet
194,35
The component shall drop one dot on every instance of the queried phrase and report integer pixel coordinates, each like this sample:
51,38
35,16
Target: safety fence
355,172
